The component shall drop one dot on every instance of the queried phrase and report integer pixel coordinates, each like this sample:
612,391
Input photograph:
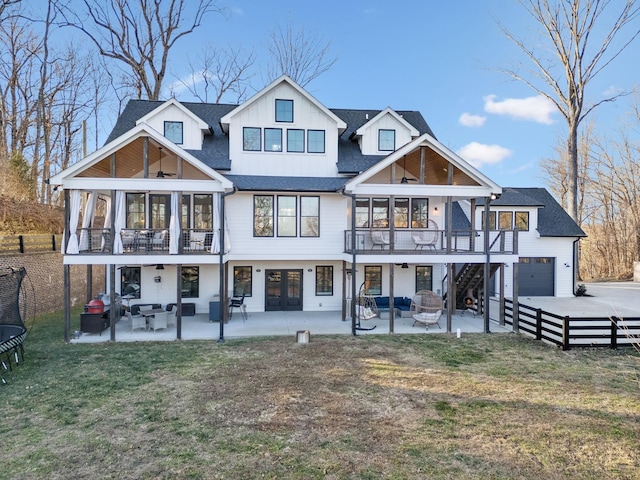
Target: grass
376,406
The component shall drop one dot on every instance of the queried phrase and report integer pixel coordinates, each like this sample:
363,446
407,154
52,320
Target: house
290,205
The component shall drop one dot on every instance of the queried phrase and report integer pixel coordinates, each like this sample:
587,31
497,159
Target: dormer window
284,111
173,132
386,140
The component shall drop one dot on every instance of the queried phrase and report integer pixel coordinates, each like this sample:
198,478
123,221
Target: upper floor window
401,213
309,216
315,141
203,211
135,210
272,139
492,220
386,140
362,212
287,216
380,212
522,221
263,216
284,110
173,132
295,140
251,139
505,221
419,212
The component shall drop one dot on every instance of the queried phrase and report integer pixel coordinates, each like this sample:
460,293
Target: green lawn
396,407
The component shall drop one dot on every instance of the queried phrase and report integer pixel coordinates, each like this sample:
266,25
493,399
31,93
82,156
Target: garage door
536,277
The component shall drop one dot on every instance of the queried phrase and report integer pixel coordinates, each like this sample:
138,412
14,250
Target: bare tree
219,72
300,54
141,34
583,43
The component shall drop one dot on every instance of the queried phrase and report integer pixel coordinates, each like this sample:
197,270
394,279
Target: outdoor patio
260,324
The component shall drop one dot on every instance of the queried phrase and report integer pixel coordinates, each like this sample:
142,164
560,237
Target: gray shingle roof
287,184
553,220
215,148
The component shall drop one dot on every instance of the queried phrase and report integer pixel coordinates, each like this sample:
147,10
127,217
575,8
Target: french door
283,290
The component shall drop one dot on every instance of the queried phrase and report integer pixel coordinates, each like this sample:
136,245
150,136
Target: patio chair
238,302
426,238
426,308
137,321
172,316
378,240
158,321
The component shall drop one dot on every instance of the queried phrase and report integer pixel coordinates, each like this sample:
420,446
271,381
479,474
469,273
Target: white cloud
538,109
469,120
479,154
612,91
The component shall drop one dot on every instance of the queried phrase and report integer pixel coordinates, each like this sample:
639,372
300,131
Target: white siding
369,140
192,134
306,116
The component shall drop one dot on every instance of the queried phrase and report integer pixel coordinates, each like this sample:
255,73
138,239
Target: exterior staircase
470,276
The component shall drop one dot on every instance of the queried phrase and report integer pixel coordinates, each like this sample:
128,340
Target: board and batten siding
192,135
369,141
306,116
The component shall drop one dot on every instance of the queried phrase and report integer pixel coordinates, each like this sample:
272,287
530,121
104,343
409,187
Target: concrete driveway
621,299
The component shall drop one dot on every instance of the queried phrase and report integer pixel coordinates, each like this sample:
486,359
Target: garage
536,276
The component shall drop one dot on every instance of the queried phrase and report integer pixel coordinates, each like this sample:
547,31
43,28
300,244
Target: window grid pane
173,131
419,212
315,141
324,280
295,140
386,140
362,212
203,211
251,139
522,221
401,213
309,216
381,212
492,220
190,282
135,210
373,279
287,216
272,139
242,282
263,216
505,221
284,111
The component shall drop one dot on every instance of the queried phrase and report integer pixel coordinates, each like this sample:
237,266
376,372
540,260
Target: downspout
353,259
575,263
222,283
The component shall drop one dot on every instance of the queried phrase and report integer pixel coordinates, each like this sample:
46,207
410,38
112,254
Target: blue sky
438,57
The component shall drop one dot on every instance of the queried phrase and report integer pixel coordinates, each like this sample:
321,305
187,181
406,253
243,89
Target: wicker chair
426,308
137,321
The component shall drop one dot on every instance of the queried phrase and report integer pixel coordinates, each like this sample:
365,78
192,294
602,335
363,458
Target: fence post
565,333
21,242
538,324
614,332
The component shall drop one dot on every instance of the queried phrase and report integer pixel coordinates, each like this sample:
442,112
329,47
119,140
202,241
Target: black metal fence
567,332
14,244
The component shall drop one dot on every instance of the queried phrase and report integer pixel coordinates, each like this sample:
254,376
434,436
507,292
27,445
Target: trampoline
12,329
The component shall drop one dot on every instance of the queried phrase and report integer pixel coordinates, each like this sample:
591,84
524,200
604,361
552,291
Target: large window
251,139
135,210
263,216
190,282
295,140
130,281
522,221
272,139
401,213
309,216
242,283
505,221
173,132
380,211
419,212
284,110
386,140
315,141
203,211
373,279
492,220
185,216
324,280
287,216
424,277
362,212
159,210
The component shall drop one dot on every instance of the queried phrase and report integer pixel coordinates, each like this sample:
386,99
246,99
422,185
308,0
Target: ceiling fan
160,173
404,178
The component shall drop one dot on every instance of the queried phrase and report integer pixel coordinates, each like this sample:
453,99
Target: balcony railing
144,241
429,241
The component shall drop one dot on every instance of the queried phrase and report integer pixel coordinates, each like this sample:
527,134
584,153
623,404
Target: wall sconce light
157,279
435,209
310,270
160,267
567,265
258,270
404,265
